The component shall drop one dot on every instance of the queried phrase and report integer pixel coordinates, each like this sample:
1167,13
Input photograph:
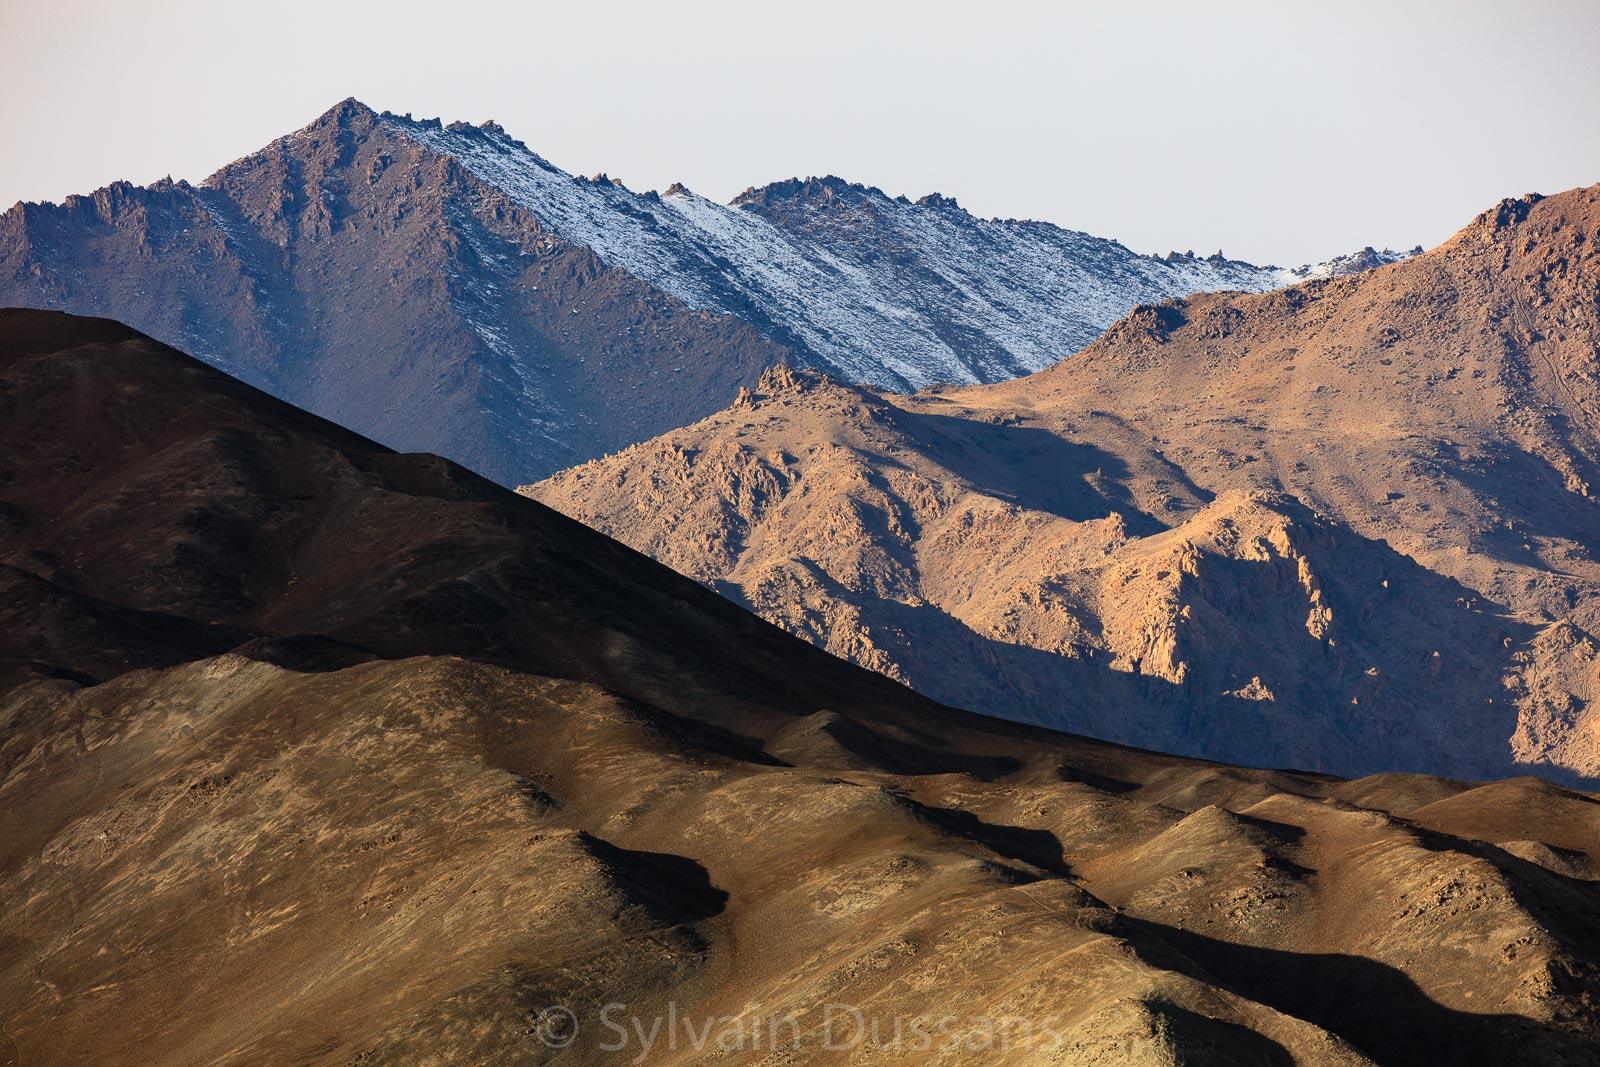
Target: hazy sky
1279,131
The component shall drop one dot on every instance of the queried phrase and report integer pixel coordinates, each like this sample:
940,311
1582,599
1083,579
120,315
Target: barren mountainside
1348,525
317,753
443,288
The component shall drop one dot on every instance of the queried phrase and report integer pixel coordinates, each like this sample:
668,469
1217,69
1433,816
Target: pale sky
1279,131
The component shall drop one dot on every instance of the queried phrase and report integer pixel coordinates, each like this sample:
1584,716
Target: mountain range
444,289
317,753
1349,525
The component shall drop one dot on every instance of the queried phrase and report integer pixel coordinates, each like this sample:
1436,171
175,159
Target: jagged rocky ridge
443,288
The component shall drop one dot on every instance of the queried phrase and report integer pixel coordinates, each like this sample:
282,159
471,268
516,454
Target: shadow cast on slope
1200,1039
1529,489
1031,467
1375,1007
673,889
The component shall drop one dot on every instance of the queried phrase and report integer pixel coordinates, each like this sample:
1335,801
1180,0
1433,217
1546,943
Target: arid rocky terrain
1348,526
317,753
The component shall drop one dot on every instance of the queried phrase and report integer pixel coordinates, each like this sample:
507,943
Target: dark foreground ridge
318,753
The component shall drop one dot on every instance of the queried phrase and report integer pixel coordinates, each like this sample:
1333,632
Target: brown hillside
316,753
1347,525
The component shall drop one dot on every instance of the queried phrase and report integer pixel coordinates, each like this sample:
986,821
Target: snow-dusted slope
878,289
1353,263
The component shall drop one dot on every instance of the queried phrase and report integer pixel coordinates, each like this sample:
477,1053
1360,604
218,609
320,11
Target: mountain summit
354,270
443,288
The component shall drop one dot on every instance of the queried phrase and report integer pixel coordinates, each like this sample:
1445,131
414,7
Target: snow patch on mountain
1366,259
